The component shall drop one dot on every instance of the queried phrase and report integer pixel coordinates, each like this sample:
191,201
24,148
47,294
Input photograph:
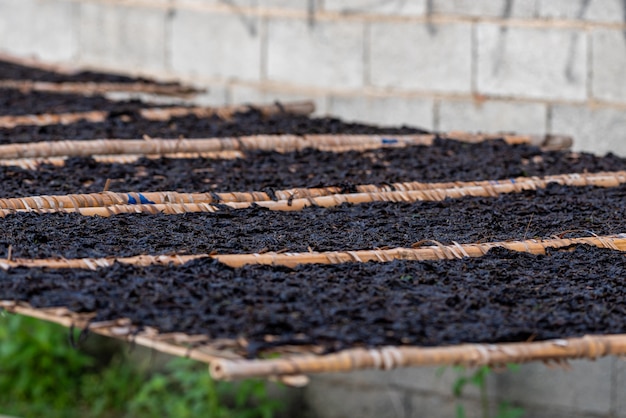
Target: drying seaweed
542,213
501,297
445,160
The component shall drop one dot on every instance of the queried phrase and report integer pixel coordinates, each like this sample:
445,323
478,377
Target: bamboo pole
34,163
90,87
156,114
281,143
106,211
11,122
422,253
178,344
433,252
548,142
169,146
387,358
227,112
107,204
459,188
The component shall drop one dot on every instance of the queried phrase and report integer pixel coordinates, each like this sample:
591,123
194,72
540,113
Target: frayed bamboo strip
280,143
387,358
423,253
156,114
471,188
91,88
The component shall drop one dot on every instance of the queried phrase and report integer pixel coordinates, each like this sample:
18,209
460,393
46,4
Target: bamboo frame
421,253
457,189
387,358
226,364
90,88
280,143
196,347
155,114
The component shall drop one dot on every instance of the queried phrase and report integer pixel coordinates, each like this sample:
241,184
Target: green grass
42,375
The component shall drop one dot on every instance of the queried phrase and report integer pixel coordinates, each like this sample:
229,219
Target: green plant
478,379
183,385
35,362
42,375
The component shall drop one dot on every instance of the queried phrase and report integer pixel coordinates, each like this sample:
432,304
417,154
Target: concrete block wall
580,389
530,66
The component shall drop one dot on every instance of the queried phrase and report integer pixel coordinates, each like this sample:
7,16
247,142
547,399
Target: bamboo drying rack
421,252
435,191
86,88
224,356
226,362
156,114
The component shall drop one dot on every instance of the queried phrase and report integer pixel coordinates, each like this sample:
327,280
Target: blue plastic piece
390,141
142,199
